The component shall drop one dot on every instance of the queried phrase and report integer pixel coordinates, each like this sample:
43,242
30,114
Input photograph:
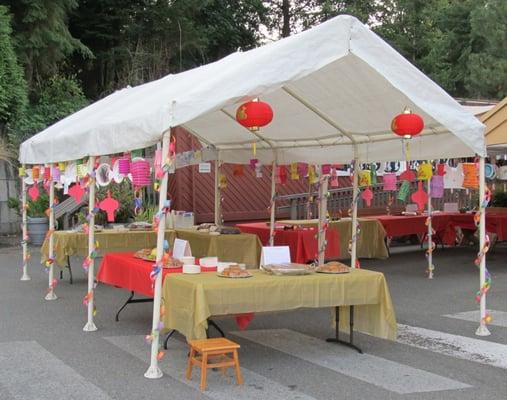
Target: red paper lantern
254,114
407,124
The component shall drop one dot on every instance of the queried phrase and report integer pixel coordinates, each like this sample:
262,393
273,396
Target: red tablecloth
302,242
495,223
125,271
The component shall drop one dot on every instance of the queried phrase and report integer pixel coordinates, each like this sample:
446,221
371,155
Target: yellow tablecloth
69,243
371,242
191,299
242,248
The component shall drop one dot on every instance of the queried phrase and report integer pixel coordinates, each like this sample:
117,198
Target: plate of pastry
333,267
234,271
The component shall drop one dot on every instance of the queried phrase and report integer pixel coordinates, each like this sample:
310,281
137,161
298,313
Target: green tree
487,75
13,92
43,41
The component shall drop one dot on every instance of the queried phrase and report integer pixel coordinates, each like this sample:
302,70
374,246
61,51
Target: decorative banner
437,187
109,205
33,192
404,190
238,170
420,197
471,180
389,181
408,175
424,171
367,196
365,178
77,192
294,171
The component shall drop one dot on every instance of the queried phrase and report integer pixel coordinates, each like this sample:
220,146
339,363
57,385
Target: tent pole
322,219
430,235
218,194
154,371
51,286
90,325
355,194
273,205
24,239
482,330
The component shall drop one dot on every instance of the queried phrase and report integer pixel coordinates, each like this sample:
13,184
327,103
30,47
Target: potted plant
37,221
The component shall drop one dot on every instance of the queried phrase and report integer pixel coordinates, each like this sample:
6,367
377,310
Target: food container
223,265
208,261
191,269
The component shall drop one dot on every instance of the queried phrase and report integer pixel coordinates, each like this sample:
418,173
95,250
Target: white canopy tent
334,90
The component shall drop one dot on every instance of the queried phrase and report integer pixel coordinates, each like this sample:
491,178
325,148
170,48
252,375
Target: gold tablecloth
191,299
242,248
371,242
69,243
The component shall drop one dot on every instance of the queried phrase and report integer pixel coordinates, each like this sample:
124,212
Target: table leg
70,270
337,339
131,300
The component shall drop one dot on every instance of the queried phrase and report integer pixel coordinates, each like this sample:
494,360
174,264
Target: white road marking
466,348
374,370
499,317
20,362
174,364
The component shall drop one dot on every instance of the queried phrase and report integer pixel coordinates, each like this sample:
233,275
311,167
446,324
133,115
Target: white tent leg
154,371
51,290
273,206
355,193
90,325
482,330
218,194
322,219
430,235
24,240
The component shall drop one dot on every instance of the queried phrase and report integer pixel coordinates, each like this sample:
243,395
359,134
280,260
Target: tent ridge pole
272,208
323,188
218,192
154,371
355,192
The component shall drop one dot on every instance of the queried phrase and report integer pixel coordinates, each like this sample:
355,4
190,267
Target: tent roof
496,124
333,89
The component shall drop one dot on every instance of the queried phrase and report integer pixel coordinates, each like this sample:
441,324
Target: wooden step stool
201,351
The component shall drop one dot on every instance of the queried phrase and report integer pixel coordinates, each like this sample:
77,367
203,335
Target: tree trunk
286,18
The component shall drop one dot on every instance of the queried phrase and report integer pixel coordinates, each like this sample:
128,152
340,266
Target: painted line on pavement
377,371
174,364
481,351
499,317
30,372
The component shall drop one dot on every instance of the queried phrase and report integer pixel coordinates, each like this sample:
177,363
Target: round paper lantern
140,170
407,124
254,114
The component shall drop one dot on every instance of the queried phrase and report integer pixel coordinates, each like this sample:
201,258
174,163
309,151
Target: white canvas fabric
333,89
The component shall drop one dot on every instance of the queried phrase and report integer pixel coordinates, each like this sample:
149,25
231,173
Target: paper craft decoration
367,196
294,172
55,173
437,187
408,175
47,173
490,171
82,170
222,181
35,172
61,166
124,165
258,170
471,180
21,172
140,170
453,177
253,162
238,170
389,181
33,192
365,178
326,169
404,190
333,182
109,205
502,173
103,174
302,169
275,255
312,176
420,197
373,171
157,163
441,169
117,175
76,192
204,168
181,248
282,173
424,171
